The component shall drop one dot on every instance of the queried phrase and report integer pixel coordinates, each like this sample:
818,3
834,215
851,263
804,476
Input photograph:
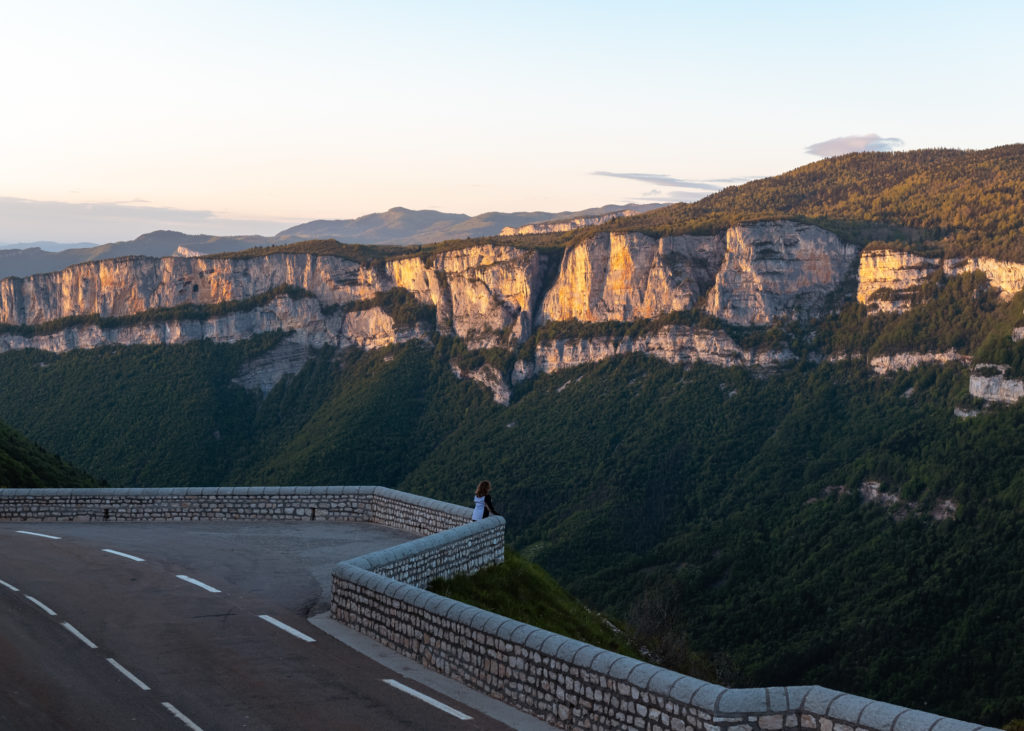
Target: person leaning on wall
482,505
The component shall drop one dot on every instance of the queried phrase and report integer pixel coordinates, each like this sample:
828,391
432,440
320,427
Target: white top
478,507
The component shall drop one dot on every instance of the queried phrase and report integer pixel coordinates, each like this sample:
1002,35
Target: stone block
685,688
879,715
950,724
661,682
914,721
622,667
847,708
818,699
706,698
737,701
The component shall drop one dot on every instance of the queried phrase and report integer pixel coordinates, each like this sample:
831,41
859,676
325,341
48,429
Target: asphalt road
194,626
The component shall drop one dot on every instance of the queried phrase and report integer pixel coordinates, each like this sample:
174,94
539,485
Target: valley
773,431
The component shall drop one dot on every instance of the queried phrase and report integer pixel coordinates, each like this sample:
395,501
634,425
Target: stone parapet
381,505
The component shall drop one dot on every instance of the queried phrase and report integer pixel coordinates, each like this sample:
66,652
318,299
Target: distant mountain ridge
395,227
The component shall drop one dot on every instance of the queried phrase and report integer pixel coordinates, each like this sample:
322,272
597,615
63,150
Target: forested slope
24,464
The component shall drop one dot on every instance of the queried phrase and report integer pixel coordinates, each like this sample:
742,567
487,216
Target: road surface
197,626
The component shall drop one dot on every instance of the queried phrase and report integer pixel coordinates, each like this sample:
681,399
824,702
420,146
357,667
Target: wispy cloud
665,180
854,143
680,189
27,221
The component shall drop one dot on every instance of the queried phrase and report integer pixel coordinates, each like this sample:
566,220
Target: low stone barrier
563,681
382,505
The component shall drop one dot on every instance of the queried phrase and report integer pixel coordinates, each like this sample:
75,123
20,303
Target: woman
482,505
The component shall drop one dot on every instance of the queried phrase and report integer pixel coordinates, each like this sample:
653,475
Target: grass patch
524,591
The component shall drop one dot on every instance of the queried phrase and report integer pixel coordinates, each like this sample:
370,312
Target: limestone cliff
616,276
672,343
888,278
370,328
750,275
777,269
492,296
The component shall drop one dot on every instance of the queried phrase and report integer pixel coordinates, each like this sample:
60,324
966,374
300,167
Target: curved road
193,626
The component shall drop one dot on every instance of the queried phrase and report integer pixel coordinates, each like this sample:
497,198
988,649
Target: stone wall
369,504
574,685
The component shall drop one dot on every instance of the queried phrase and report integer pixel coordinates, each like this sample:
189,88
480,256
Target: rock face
751,275
777,269
480,292
370,328
996,388
887,279
885,364
672,343
491,296
615,276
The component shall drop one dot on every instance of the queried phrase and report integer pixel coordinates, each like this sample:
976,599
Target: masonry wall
368,504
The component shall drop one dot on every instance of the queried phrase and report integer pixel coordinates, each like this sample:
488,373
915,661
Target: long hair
483,488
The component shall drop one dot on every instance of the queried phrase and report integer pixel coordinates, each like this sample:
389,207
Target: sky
224,117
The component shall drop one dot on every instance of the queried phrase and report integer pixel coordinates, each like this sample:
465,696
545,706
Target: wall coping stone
913,720
819,699
552,643
584,656
603,661
621,668
707,696
521,634
686,688
661,682
742,700
847,708
778,698
880,715
567,651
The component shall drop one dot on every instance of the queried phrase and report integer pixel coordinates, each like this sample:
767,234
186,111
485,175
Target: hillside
775,430
958,202
26,465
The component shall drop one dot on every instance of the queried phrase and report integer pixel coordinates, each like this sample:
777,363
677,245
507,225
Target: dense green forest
24,464
717,511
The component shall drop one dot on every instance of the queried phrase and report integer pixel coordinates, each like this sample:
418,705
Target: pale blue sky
245,117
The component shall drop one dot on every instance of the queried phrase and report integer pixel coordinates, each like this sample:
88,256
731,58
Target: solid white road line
41,535
123,555
89,643
198,583
124,671
12,587
181,716
41,605
286,628
427,699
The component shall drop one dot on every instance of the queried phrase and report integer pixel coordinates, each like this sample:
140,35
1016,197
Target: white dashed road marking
88,643
12,587
198,583
123,555
40,535
41,605
181,716
124,671
427,699
286,628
